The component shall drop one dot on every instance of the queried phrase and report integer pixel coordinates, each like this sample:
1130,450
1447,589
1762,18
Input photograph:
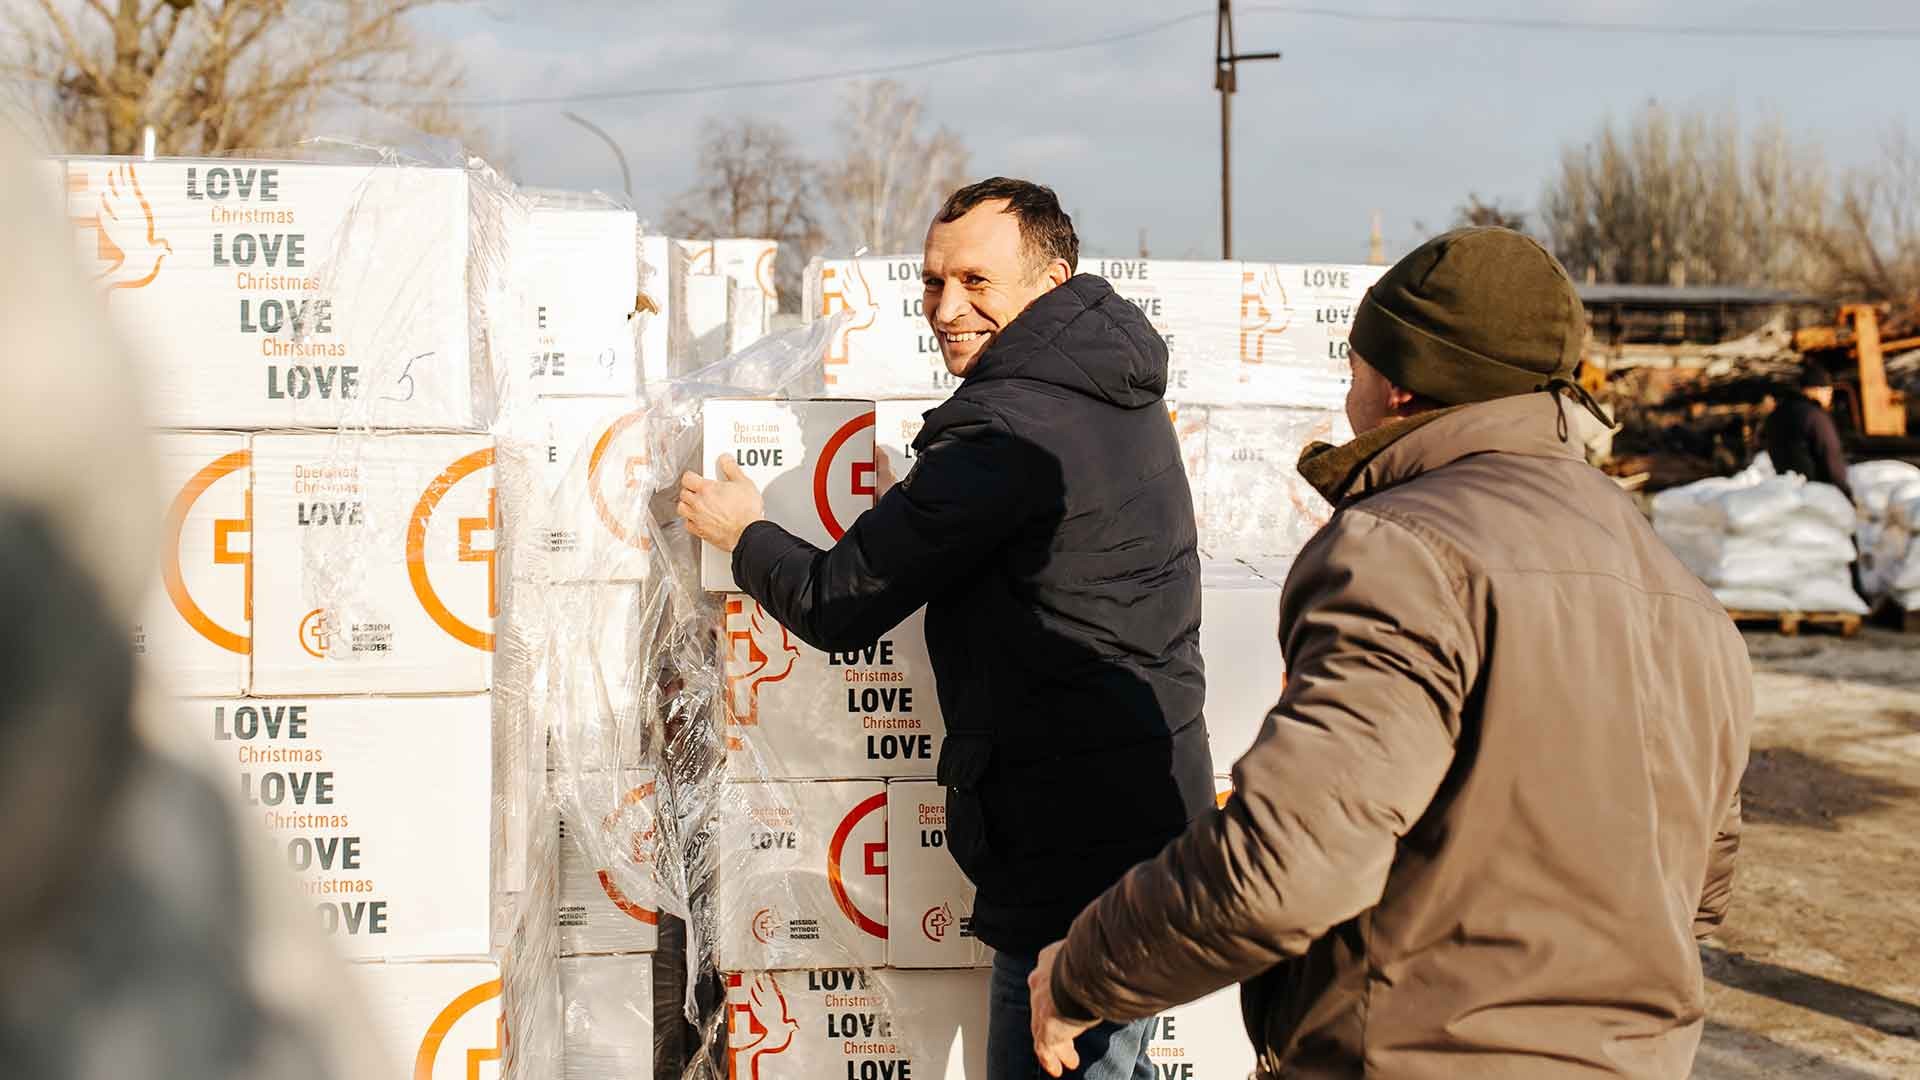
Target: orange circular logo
315,636
862,478
768,927
869,863
639,852
629,474
423,589
223,531
427,1059
935,922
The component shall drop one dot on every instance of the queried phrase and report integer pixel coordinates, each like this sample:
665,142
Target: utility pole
1224,61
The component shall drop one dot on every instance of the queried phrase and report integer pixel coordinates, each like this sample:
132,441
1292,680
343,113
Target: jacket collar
1535,425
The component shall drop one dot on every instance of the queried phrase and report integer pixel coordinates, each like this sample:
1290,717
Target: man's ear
1058,272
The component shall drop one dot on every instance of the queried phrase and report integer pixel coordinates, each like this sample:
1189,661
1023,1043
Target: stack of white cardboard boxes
843,921
720,297
580,449
1258,371
842,924
326,598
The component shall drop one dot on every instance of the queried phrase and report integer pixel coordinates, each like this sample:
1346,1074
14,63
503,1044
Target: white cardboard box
383,807
747,316
929,899
887,349
604,909
1202,1040
436,1021
656,308
1240,644
282,294
869,1025
591,643
794,713
582,501
896,423
1249,495
582,275
812,460
701,321
608,1003
804,883
1295,320
196,627
749,261
374,563
1195,305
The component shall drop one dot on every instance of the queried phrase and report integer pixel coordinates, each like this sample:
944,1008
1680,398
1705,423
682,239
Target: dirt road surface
1817,970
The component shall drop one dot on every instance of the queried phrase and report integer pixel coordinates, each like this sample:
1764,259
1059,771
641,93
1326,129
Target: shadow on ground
1886,1015
1785,786
1729,1053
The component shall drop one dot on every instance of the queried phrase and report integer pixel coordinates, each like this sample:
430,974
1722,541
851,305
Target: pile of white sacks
1889,530
1764,541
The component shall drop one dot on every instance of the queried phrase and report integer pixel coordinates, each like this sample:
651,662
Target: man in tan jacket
1499,798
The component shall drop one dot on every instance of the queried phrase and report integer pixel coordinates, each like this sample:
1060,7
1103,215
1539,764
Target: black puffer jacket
1048,528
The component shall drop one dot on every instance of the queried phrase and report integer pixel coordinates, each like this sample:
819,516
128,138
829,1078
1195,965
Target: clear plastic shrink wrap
335,334
735,817
1237,333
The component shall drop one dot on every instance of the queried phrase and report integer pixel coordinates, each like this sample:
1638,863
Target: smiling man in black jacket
1048,528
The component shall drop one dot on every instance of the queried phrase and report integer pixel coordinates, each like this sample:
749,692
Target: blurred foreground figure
1498,799
136,937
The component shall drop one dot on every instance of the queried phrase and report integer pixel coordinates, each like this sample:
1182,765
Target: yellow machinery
1878,409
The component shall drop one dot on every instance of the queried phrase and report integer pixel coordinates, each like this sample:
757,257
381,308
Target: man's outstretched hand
1052,1036
718,511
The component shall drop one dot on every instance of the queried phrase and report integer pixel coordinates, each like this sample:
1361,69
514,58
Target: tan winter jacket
1498,801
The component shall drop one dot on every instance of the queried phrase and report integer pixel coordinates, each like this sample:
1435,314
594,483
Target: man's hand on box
718,511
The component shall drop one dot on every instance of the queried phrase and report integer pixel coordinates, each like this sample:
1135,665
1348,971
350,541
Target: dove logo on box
125,241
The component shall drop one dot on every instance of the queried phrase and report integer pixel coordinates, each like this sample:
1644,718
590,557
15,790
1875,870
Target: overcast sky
1359,116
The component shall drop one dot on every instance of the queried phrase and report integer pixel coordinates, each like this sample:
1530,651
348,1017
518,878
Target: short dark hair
1045,230
1813,376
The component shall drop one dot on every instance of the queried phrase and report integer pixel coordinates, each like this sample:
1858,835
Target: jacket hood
1536,425
1084,337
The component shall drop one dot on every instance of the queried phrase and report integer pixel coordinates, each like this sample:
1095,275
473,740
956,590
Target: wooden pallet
1790,623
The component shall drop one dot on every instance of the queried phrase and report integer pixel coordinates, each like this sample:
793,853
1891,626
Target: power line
1495,22
1588,26
843,73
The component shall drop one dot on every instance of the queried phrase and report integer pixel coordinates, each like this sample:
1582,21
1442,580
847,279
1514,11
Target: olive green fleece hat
1472,315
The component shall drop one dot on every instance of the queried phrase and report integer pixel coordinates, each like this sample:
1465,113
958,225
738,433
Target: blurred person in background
1800,434
140,935
1498,800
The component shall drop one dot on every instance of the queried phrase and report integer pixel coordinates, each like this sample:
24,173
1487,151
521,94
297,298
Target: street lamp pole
626,175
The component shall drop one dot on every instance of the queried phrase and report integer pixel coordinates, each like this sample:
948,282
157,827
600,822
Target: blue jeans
1107,1051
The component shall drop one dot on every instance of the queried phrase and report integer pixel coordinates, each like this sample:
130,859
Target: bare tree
213,76
1684,198
752,182
889,177
1870,249
1476,212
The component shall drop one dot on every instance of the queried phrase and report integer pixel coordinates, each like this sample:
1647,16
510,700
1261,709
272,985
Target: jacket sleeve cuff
1065,1002
753,557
